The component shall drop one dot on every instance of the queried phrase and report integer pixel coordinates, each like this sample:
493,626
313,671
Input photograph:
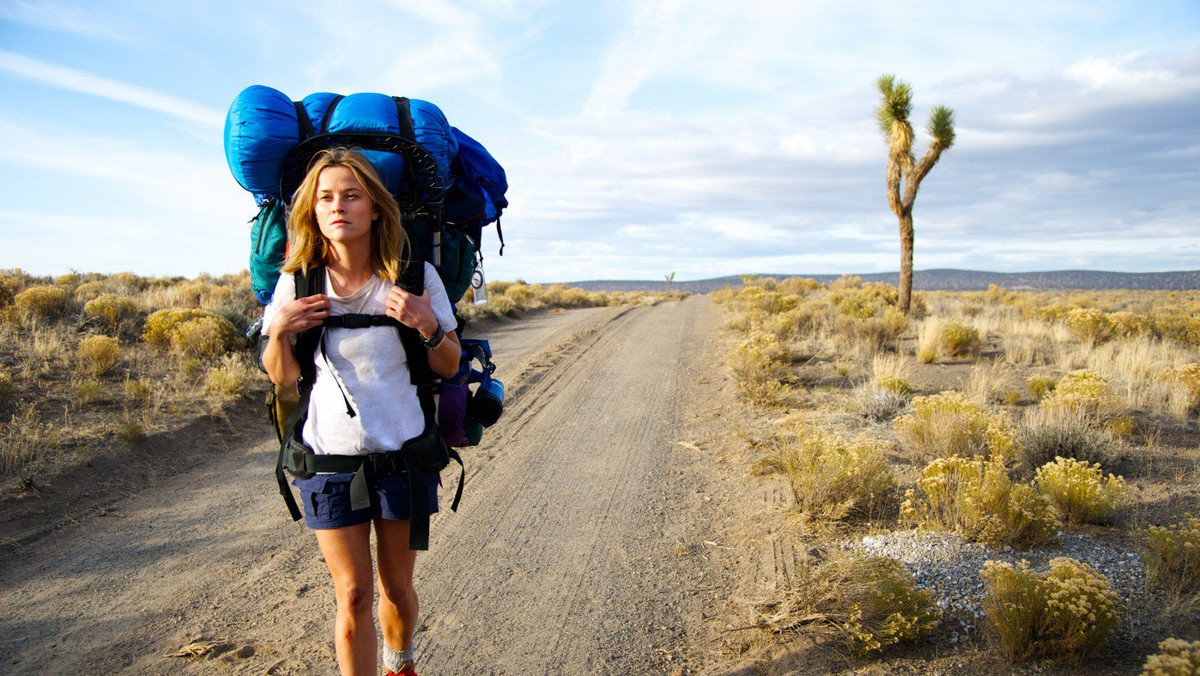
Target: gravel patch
949,566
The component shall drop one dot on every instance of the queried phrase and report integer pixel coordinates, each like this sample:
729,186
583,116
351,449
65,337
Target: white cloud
87,83
65,18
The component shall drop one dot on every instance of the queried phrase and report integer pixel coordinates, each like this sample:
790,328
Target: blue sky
706,138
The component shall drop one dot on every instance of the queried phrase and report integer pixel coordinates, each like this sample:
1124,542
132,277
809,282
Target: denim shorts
326,499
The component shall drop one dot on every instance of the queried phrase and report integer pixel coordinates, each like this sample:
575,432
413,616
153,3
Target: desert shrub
90,290
1066,614
760,364
958,340
230,378
1079,490
98,354
1086,393
977,500
1045,436
6,388
42,302
1040,386
1128,324
799,286
1172,557
1175,657
879,401
111,308
161,325
205,336
831,477
1089,325
951,424
524,295
871,601
69,280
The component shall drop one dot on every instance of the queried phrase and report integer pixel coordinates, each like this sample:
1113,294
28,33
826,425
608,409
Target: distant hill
947,280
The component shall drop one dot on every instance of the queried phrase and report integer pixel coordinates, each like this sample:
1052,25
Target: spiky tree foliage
904,173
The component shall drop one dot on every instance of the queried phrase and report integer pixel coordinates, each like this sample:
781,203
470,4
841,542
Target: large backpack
449,188
448,185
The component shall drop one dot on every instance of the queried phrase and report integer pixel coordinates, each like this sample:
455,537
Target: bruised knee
355,600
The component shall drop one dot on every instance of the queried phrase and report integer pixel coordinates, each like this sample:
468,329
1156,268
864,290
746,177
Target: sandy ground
584,543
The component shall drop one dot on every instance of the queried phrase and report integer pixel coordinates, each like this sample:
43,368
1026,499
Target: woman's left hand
412,310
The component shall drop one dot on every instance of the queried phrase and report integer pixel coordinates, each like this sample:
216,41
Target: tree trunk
906,259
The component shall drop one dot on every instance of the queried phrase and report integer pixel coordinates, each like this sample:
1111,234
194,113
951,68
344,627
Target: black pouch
428,453
294,459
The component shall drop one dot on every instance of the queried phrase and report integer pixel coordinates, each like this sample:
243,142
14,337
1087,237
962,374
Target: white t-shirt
369,366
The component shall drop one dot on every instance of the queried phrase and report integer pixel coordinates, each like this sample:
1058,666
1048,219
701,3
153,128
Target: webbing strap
329,113
305,124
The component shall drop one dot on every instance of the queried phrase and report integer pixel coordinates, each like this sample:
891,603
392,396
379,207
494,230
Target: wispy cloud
60,17
95,85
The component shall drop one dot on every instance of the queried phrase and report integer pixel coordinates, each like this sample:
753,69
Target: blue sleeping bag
264,125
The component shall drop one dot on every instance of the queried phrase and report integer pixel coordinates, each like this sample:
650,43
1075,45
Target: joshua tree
894,109
670,278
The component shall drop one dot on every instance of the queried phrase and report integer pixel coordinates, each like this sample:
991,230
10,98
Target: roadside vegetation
97,364
1013,421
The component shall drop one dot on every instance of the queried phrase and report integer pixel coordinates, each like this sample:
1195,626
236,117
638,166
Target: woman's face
343,209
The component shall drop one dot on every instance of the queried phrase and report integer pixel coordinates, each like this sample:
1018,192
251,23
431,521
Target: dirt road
578,549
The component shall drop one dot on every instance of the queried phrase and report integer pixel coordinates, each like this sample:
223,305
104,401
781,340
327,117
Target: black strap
329,113
306,128
500,234
404,117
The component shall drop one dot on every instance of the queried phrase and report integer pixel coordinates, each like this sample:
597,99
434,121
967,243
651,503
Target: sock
394,660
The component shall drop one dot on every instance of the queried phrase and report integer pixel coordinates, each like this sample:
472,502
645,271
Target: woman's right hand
299,315
293,317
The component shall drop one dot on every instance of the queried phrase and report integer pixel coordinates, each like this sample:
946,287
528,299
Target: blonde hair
308,247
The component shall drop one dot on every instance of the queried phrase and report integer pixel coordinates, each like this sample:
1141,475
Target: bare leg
347,552
398,607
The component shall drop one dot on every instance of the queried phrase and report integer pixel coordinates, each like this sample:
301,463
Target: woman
344,220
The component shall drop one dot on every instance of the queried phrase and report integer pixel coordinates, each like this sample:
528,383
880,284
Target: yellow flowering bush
889,608
161,325
831,477
1090,325
110,308
42,302
1066,614
977,500
1085,392
1174,658
959,340
1172,557
951,423
1079,490
871,601
760,364
98,354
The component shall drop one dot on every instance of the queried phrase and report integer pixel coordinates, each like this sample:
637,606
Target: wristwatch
435,341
